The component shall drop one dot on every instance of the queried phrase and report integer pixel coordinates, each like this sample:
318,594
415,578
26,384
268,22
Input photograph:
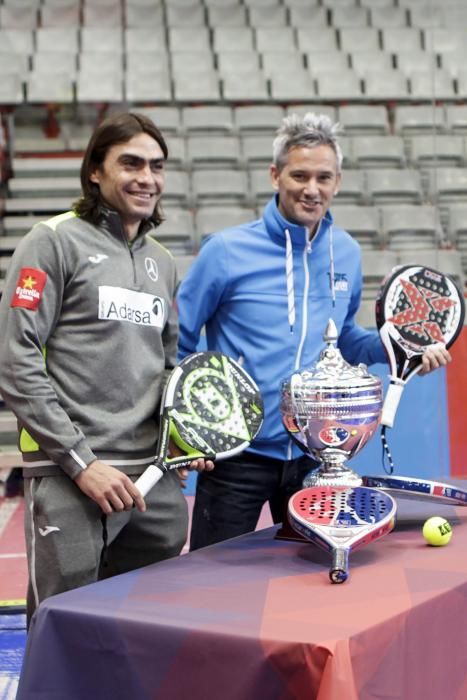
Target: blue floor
12,644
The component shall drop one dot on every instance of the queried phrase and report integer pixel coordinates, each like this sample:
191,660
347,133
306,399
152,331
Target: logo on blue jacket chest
341,283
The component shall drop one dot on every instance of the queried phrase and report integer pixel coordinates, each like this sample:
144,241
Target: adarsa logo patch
29,288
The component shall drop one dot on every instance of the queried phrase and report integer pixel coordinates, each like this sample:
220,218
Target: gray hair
310,131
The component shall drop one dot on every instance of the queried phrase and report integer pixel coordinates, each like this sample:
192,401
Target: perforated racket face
215,406
336,507
420,307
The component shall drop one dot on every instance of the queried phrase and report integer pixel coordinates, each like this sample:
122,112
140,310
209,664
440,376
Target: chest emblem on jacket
120,304
341,283
151,268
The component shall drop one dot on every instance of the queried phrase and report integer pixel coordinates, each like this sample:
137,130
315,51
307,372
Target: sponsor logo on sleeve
119,304
29,288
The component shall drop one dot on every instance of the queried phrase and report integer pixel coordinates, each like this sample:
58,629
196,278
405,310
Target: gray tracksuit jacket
88,331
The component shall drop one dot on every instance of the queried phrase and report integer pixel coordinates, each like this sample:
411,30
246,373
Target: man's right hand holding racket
114,491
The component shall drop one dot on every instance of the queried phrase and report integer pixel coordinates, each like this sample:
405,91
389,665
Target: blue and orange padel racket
340,519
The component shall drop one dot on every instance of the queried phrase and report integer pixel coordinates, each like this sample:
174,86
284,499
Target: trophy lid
331,370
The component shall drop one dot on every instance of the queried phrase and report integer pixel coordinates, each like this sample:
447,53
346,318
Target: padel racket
417,309
210,408
418,489
340,519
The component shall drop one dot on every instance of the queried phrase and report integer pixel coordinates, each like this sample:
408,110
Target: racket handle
149,478
391,402
339,571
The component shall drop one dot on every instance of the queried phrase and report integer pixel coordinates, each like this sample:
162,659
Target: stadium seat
11,89
144,16
16,41
456,118
44,186
366,62
19,16
411,227
316,39
245,87
410,61
273,62
307,15
108,15
66,15
317,61
289,87
186,39
167,118
183,264
448,185
104,39
192,15
432,85
232,39
352,189
220,187
177,188
412,119
257,119
177,231
274,16
342,16
261,187
352,39
378,151
436,150
208,119
362,222
257,150
213,219
147,87
202,86
395,38
390,185
227,16
213,151
145,38
236,62
389,86
270,38
386,16
339,85
364,119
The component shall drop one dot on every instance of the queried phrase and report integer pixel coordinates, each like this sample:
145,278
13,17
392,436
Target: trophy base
332,475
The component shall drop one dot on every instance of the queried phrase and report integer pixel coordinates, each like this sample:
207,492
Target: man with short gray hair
265,291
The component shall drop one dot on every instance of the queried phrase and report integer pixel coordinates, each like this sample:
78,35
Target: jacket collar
276,225
110,220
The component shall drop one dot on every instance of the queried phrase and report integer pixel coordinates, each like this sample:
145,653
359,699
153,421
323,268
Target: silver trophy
332,410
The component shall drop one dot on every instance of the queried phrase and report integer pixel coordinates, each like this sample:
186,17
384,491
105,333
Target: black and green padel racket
211,408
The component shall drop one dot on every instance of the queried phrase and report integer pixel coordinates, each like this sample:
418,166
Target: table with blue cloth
256,618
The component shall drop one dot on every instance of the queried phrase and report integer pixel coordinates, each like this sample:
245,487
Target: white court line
7,508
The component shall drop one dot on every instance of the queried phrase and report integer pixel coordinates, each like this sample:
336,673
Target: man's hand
434,359
112,490
198,465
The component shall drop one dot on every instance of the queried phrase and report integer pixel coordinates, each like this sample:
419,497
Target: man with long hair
88,333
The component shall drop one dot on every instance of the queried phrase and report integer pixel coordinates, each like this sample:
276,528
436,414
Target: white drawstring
290,280
331,266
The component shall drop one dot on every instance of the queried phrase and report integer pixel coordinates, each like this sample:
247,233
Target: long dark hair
118,128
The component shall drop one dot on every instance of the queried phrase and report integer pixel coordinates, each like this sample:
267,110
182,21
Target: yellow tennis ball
437,531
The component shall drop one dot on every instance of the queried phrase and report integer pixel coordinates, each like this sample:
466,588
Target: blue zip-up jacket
237,288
